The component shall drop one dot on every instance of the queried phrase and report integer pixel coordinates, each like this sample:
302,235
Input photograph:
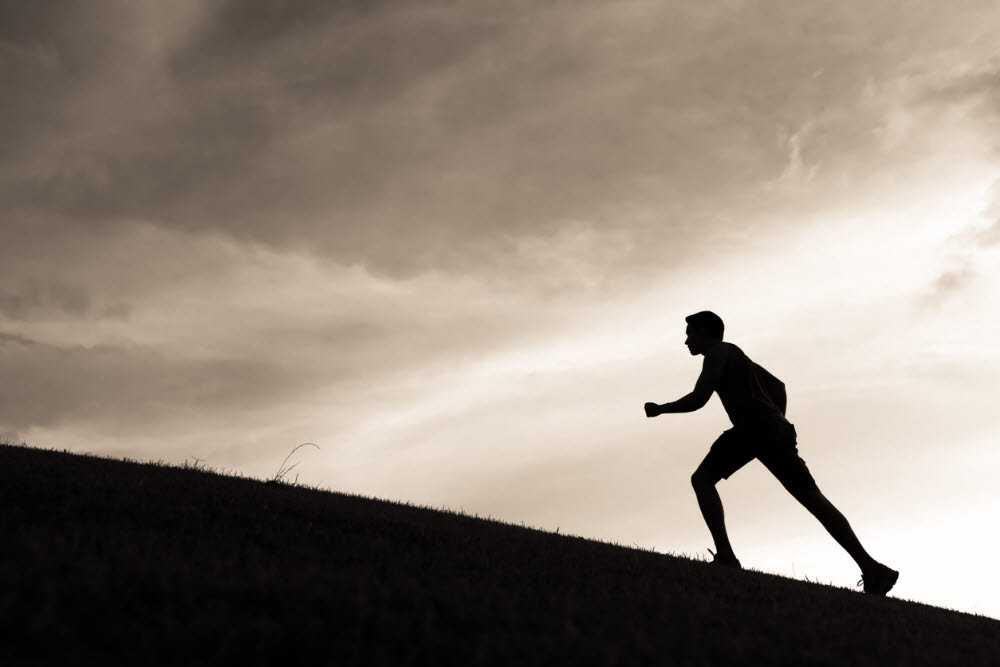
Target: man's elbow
698,401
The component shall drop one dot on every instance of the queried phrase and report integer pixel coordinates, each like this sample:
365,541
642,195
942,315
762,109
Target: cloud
971,250
409,138
44,295
128,389
29,297
950,283
345,199
976,82
960,92
991,235
15,339
224,332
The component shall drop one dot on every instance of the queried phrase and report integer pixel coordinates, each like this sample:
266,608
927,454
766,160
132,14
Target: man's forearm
686,404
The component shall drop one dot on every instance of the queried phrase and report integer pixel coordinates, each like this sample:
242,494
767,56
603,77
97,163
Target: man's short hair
708,322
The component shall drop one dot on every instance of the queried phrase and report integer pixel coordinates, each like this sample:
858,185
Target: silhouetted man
755,402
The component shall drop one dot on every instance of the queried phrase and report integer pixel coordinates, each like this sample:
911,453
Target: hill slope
115,560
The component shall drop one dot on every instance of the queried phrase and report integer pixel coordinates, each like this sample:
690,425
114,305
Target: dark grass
107,561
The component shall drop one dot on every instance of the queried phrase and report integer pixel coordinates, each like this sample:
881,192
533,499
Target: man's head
704,330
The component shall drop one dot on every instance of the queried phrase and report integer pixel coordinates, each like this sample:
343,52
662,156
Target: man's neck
711,346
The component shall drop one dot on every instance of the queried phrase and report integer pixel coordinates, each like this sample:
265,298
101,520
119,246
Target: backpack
772,386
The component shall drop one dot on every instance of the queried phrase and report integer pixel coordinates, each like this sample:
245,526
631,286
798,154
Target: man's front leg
711,509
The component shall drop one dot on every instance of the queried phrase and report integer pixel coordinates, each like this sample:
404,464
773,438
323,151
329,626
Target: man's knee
702,479
812,499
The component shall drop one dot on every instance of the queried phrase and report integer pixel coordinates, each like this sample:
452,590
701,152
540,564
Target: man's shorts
775,445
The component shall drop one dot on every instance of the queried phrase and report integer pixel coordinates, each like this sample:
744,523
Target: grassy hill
106,561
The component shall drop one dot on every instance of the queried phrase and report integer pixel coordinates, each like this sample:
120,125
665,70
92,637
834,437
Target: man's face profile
696,340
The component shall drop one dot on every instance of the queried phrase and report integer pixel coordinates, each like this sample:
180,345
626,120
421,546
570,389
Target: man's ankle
871,565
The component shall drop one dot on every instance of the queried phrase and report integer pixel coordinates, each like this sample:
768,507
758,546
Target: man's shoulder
724,350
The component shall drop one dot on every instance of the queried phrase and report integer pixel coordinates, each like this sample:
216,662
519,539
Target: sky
453,245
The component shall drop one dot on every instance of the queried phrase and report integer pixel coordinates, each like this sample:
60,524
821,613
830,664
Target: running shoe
879,580
733,563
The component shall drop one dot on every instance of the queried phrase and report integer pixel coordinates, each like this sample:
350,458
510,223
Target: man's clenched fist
652,409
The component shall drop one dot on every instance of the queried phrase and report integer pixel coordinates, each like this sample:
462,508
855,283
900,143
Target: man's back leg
796,479
835,523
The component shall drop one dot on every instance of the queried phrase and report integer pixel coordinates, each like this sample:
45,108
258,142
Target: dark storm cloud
48,51
15,339
48,272
131,386
409,136
17,301
32,298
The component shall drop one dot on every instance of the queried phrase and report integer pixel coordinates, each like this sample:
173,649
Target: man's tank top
750,395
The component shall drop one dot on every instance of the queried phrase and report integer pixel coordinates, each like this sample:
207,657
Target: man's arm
711,371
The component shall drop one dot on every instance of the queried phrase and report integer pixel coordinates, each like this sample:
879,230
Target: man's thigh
780,455
730,452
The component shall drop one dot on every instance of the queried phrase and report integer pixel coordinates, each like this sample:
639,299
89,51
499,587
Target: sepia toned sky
453,244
